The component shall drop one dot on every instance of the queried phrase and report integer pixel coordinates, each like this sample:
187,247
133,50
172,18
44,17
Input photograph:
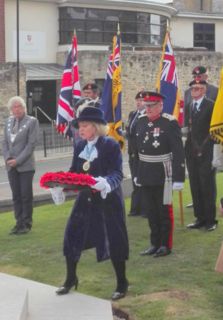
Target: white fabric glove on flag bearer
178,186
103,186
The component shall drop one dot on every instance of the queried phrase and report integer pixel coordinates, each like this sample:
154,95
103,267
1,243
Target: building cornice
207,16
139,5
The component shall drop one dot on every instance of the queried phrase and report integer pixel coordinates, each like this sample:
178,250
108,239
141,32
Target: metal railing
50,141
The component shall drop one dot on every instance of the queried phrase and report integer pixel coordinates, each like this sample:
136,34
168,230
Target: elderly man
20,138
161,168
199,155
200,73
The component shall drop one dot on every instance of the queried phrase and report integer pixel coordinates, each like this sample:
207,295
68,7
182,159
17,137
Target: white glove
136,183
103,186
178,186
58,195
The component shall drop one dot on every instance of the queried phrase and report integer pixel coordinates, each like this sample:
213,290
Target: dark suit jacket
198,139
211,93
169,141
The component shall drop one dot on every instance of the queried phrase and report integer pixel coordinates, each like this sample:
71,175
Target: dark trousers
160,216
203,189
136,206
22,195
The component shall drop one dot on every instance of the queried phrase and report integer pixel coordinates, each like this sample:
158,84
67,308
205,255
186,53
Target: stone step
13,300
44,304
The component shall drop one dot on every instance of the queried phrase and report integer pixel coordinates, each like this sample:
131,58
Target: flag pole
181,208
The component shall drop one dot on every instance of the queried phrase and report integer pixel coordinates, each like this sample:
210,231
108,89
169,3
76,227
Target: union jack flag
112,93
167,82
70,93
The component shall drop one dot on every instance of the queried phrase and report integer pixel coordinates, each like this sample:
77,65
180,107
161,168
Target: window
204,35
97,26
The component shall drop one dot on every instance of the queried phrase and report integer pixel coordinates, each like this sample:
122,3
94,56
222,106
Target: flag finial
118,29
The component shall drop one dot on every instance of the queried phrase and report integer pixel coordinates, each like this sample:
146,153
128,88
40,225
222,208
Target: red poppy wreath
67,180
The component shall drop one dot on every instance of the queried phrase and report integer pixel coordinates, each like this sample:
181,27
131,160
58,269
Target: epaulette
142,115
168,116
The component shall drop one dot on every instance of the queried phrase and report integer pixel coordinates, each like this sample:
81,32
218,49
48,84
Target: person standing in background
136,204
199,156
20,139
200,73
161,169
91,91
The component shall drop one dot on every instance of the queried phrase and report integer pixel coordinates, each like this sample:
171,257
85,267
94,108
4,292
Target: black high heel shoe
121,291
65,288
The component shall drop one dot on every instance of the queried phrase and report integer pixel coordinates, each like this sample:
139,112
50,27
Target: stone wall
8,88
217,6
140,69
210,6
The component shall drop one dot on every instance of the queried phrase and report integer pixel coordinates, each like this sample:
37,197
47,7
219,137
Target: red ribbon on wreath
68,180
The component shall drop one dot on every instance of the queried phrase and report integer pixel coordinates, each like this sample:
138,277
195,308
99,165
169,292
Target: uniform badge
86,165
156,144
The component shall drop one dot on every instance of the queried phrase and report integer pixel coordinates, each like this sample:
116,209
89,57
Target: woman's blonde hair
101,129
17,99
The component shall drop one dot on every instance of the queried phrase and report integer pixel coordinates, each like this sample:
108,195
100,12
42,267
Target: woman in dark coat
98,217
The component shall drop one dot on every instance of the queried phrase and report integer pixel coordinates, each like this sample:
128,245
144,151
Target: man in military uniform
159,149
199,155
136,205
91,91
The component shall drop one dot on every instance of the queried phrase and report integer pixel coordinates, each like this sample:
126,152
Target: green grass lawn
181,286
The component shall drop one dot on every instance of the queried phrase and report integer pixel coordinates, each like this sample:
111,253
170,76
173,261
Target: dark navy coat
97,222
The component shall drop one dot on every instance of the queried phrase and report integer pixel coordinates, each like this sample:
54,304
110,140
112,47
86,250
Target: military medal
156,132
86,165
156,144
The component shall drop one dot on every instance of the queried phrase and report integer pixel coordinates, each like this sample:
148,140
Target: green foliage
181,286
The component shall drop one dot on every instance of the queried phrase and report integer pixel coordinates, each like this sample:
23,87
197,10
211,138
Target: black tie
194,109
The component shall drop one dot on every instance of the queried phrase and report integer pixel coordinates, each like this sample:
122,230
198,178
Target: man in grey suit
20,138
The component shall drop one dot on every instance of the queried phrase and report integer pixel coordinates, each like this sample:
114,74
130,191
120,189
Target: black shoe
65,288
120,291
149,251
22,230
14,230
211,227
196,225
161,252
